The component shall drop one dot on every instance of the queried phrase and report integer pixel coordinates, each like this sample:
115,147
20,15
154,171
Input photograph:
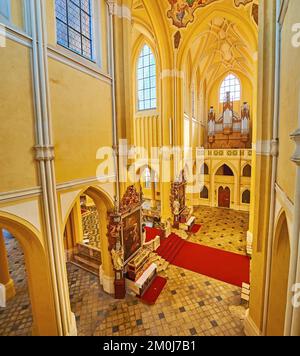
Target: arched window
146,75
247,171
204,193
225,171
246,197
147,178
230,84
204,169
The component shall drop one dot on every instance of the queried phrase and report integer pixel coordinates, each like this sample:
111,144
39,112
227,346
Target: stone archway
45,316
103,204
279,279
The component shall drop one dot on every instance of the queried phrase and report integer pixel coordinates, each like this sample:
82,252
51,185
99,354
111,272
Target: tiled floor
16,318
190,304
90,225
222,228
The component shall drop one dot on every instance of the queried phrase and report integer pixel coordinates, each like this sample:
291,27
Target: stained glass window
74,26
146,80
230,84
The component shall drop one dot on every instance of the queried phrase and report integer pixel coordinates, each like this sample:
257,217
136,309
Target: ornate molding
44,153
120,11
295,136
275,148
182,12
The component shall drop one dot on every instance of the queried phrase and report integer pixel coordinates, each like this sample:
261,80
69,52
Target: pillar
255,323
293,312
4,270
153,196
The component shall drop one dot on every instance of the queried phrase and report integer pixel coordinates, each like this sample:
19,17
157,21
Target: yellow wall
289,101
82,118
17,125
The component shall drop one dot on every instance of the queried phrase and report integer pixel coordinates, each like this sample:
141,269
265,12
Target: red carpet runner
221,265
195,228
170,247
153,292
151,233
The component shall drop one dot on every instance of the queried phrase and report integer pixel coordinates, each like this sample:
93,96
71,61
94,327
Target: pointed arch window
146,78
230,84
147,178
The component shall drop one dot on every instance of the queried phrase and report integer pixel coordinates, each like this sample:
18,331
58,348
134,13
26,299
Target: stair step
87,263
170,248
179,247
85,267
173,251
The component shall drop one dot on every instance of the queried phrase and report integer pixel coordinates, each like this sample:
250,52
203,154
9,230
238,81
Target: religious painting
182,11
132,234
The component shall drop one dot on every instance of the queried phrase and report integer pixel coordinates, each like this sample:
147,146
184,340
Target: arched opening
205,169
14,276
246,197
204,193
225,170
279,279
82,238
85,231
224,198
150,188
36,308
247,171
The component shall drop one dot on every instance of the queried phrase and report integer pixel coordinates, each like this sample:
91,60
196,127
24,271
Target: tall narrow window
74,26
147,178
146,75
230,84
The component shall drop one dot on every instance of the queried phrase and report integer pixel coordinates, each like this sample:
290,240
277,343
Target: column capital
111,6
275,147
44,153
295,136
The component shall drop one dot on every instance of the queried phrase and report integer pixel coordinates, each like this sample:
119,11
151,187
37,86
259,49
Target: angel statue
118,259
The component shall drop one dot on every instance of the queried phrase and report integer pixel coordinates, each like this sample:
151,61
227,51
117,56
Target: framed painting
132,234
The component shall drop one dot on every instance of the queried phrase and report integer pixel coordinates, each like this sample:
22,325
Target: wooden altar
125,236
178,201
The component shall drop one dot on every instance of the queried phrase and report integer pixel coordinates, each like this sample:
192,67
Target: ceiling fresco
182,11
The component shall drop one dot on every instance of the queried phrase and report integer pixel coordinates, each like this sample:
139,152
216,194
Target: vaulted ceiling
213,36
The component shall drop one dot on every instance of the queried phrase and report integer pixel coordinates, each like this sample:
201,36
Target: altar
134,271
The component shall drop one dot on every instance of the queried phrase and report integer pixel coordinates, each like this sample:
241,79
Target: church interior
150,168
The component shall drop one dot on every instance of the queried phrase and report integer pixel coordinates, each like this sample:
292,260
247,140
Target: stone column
262,172
4,270
293,312
153,196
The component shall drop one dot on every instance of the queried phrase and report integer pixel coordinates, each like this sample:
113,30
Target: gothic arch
45,315
229,165
279,278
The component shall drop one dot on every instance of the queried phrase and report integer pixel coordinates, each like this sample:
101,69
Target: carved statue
117,259
176,207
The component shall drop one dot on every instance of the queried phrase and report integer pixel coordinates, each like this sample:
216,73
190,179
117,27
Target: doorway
224,198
